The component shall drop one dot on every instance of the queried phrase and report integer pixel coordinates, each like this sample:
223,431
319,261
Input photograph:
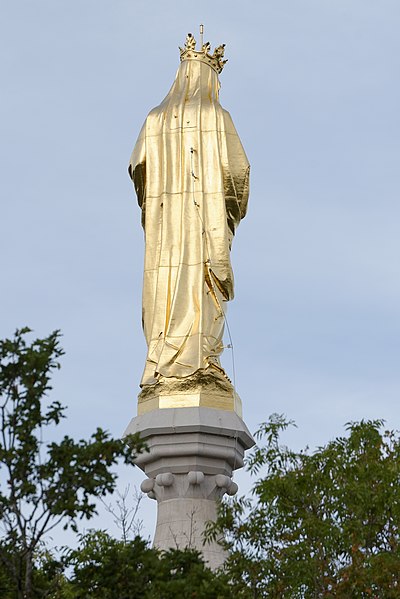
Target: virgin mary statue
191,177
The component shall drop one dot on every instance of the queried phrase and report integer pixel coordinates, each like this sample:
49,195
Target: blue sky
313,88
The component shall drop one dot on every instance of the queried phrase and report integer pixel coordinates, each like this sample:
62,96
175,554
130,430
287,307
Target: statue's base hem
207,388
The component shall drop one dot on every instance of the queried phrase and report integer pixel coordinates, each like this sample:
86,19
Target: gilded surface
205,388
191,178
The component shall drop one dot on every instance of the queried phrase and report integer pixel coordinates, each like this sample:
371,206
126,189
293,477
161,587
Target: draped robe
191,177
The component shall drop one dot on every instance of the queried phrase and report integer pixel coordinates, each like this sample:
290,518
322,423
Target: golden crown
214,60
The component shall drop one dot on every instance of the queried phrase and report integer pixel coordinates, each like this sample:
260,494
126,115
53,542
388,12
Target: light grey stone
193,453
216,422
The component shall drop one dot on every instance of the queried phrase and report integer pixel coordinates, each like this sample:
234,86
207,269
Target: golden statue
191,177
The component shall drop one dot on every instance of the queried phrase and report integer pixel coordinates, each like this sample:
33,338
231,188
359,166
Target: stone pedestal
193,453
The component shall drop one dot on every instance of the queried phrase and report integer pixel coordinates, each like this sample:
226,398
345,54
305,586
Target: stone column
193,452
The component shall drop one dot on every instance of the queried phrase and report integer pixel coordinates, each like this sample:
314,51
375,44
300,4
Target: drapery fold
191,177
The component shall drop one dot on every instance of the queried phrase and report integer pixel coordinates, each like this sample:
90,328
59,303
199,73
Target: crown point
215,60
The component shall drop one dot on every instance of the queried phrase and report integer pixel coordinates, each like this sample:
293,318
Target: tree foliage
106,568
323,524
43,485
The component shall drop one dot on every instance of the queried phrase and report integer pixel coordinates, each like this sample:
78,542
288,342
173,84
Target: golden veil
191,177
